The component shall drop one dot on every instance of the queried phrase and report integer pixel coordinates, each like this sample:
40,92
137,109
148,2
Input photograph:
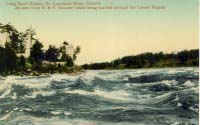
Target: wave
115,95
147,96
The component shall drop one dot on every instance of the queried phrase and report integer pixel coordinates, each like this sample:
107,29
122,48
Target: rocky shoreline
72,72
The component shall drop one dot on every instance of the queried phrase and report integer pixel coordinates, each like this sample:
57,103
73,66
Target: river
167,96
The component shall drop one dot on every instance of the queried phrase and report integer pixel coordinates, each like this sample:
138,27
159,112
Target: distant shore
79,72
185,58
152,68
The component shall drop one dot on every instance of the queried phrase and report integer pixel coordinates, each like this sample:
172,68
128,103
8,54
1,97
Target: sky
105,35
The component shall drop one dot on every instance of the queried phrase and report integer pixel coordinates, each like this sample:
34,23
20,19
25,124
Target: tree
65,57
22,61
10,58
30,32
17,41
63,51
65,43
69,62
8,29
52,54
13,37
68,53
36,55
2,59
183,56
116,62
76,52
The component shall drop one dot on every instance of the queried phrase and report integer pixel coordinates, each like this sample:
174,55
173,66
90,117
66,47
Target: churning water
167,96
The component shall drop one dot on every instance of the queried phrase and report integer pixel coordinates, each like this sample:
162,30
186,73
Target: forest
19,57
185,58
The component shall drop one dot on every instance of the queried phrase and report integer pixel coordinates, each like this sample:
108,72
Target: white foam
177,98
60,77
179,104
194,90
116,95
15,109
5,87
42,93
31,82
60,112
14,96
27,109
188,84
6,116
35,83
55,112
196,110
176,123
7,92
67,113
168,83
161,98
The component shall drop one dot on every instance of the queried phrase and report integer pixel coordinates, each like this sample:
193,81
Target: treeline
150,60
13,58
53,59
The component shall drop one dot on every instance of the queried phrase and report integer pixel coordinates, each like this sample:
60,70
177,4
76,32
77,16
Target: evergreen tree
52,54
10,58
22,61
36,55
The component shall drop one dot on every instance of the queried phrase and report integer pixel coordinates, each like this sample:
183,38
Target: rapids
168,96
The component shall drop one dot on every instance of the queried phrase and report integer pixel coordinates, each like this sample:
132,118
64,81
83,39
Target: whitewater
166,96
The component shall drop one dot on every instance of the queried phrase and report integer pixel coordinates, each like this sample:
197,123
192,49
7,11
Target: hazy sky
107,35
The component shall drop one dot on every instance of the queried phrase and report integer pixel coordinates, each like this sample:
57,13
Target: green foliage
36,55
69,62
17,42
66,57
22,61
14,38
95,66
52,54
62,54
76,52
10,58
148,60
2,59
50,61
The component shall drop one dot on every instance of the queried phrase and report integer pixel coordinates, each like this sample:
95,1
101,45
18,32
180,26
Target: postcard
99,62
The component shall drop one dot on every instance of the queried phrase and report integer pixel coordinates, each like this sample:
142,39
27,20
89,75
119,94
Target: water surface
116,97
